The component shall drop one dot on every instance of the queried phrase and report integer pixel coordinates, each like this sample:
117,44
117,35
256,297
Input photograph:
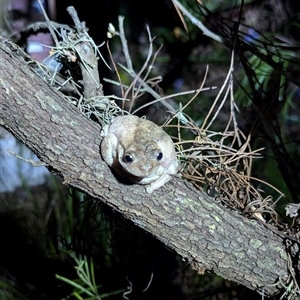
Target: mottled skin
139,150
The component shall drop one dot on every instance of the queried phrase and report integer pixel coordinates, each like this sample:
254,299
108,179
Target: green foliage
263,69
85,287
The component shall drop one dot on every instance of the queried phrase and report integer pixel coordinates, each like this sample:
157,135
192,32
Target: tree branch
204,233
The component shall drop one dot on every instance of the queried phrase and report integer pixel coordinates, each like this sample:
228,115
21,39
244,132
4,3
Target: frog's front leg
109,149
158,183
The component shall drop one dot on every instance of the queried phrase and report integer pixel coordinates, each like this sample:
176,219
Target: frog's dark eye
128,158
159,156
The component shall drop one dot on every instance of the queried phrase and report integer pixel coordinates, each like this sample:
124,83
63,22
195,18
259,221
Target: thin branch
197,22
133,74
48,23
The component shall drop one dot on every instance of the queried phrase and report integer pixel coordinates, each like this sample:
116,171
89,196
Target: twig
88,60
49,24
133,74
80,27
172,96
218,96
34,163
197,22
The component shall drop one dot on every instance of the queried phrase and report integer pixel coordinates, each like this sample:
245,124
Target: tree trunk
203,232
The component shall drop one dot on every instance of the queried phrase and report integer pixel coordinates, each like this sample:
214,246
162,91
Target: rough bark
203,232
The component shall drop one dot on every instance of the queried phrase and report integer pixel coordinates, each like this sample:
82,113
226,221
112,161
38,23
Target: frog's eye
159,156
128,158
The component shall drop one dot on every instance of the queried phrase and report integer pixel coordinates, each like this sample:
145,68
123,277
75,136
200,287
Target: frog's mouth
138,178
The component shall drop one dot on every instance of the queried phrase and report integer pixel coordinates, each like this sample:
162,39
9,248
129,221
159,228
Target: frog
140,150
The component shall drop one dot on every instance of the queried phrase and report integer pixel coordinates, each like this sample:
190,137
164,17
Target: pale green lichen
254,243
212,227
217,218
